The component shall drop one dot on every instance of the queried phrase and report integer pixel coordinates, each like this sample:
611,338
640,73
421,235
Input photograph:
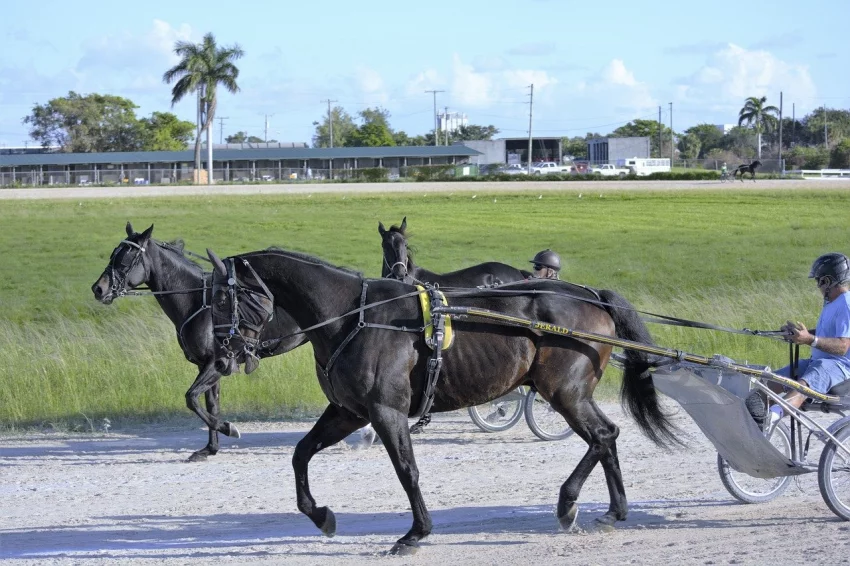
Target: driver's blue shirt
834,322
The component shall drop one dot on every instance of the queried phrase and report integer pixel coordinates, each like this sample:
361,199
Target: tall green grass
738,260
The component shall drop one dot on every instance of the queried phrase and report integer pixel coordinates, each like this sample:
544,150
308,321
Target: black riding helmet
836,266
547,258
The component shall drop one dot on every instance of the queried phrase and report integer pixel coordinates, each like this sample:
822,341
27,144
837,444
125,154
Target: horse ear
403,224
219,265
130,230
381,229
146,235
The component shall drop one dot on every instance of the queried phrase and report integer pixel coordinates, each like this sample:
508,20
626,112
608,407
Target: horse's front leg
335,424
211,396
391,426
206,380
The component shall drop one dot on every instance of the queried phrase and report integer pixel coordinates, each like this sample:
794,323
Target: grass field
733,259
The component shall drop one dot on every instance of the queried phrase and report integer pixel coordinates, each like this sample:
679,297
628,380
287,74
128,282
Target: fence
821,173
767,165
36,178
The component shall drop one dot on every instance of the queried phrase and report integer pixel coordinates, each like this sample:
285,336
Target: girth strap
435,362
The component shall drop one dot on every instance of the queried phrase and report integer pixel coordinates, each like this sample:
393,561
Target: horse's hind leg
335,424
588,421
211,396
391,426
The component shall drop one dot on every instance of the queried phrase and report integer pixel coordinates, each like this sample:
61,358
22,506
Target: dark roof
188,156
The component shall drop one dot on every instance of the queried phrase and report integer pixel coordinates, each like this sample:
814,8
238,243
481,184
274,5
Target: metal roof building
228,164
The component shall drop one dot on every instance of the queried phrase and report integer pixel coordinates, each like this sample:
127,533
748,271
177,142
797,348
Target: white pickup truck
608,170
546,167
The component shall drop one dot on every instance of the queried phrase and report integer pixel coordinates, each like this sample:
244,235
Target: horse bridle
117,278
242,300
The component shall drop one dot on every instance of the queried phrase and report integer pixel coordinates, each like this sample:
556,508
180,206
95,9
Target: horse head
394,244
127,268
755,164
239,314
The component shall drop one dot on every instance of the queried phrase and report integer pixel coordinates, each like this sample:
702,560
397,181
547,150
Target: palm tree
762,118
202,67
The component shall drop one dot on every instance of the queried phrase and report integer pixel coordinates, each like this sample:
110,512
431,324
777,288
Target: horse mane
178,247
311,259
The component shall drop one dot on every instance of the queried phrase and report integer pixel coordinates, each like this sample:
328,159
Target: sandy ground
131,497
309,188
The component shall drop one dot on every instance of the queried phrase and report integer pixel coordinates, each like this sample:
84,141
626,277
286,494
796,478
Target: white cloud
423,81
733,73
617,86
124,51
475,88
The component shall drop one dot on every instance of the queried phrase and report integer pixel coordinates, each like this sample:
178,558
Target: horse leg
335,424
207,379
211,396
391,426
585,418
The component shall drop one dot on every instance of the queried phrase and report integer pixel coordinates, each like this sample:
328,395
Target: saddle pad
425,303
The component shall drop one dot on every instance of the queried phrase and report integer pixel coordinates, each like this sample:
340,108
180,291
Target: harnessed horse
372,363
751,169
183,291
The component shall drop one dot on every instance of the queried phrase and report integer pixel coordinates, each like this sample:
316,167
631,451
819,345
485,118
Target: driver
830,362
547,265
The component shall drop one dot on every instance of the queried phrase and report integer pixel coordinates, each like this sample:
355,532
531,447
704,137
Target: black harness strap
435,362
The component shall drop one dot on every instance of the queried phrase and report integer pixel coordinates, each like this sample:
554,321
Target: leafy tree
709,135
343,126
759,116
473,132
202,68
164,131
646,128
801,157
689,146
837,125
839,157
739,140
86,123
243,137
575,147
375,130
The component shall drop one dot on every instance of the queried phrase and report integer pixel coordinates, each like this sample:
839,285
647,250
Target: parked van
645,166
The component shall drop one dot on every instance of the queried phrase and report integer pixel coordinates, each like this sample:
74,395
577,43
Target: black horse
179,287
751,169
398,264
372,371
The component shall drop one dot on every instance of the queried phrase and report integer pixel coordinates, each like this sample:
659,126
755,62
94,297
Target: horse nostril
98,292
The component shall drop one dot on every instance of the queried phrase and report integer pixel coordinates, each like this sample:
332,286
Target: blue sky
594,66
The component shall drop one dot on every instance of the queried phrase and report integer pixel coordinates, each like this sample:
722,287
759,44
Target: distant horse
751,169
398,264
372,364
180,287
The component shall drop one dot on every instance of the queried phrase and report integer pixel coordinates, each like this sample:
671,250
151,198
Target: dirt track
295,188
82,499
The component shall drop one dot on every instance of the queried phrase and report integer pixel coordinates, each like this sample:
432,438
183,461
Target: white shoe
771,423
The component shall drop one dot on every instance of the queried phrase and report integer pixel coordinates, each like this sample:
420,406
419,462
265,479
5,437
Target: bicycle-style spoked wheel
543,420
748,489
834,475
499,414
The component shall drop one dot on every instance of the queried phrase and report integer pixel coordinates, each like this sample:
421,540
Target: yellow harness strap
425,303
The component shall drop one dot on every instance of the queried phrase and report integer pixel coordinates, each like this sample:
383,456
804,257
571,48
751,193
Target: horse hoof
328,526
568,519
404,549
199,456
604,524
232,430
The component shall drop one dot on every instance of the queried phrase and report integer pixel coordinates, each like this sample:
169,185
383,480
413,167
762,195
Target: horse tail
637,393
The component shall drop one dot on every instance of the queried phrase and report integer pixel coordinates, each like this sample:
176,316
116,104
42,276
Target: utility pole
530,109
671,137
793,124
780,133
660,129
221,120
825,144
266,135
436,128
330,122
447,124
